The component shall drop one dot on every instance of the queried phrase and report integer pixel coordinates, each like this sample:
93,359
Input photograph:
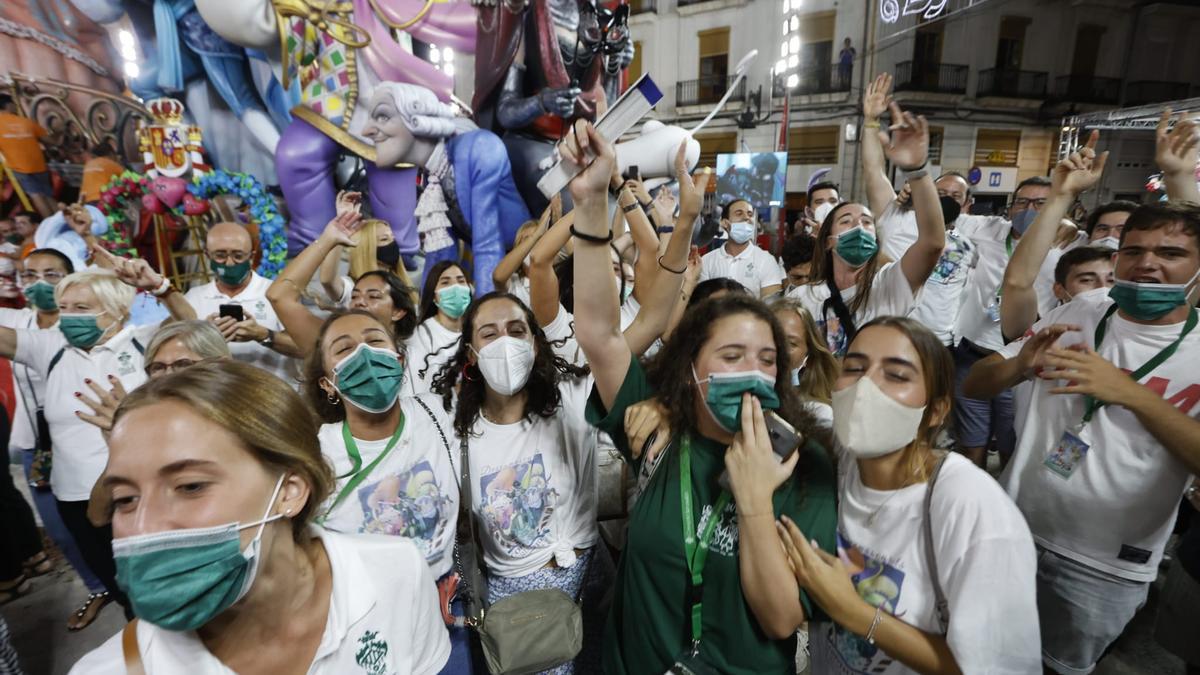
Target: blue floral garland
272,238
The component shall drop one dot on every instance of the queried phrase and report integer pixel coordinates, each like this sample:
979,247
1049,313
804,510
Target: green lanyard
696,552
1093,404
1008,245
352,450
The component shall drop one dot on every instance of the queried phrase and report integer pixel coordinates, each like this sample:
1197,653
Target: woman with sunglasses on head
704,585
373,250
215,478
935,567
379,292
850,282
394,474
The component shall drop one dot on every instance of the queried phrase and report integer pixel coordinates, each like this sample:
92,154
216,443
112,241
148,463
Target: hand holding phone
232,311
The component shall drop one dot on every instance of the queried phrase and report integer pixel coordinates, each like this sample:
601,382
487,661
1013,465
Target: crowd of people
332,473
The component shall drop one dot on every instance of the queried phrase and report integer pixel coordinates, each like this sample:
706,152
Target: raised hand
585,147
1033,353
877,97
136,272
1079,171
908,144
77,218
104,406
1175,149
348,201
691,190
343,227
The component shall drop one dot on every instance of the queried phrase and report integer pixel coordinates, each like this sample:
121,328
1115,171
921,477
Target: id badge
1070,452
689,663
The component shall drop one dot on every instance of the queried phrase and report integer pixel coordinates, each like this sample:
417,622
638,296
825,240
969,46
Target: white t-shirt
943,293
431,346
1115,511
534,486
347,293
753,268
986,565
519,286
28,385
822,412
891,295
80,453
383,618
413,492
207,300
979,317
560,333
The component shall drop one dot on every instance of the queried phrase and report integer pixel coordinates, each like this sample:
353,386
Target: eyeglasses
29,277
1023,203
157,368
223,257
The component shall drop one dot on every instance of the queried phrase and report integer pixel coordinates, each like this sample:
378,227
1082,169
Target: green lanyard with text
356,458
1093,404
696,552
1008,245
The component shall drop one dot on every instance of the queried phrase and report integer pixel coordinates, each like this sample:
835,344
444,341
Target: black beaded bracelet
591,238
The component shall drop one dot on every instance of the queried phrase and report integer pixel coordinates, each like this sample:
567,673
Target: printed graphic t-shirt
891,295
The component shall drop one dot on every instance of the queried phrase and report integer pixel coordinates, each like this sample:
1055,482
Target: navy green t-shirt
649,625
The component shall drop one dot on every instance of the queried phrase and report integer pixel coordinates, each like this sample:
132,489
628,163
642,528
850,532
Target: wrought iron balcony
1011,83
827,79
941,78
1088,89
708,89
1154,91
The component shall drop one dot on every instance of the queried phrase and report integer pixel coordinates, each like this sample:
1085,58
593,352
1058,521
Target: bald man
258,338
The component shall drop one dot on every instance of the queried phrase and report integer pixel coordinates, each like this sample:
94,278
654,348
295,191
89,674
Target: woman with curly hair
445,297
531,460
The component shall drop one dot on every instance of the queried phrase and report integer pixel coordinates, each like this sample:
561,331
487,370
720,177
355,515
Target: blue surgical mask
856,246
741,231
724,397
1023,220
181,579
1148,301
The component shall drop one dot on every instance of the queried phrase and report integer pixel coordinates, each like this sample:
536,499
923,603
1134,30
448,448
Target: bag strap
138,346
438,426
942,606
474,599
54,361
840,310
129,648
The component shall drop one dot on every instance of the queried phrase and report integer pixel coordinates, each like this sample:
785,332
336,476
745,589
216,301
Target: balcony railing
1011,83
706,90
642,6
1152,91
827,79
942,78
1088,89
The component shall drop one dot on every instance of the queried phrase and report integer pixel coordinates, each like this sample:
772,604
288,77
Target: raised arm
138,272
908,148
642,231
512,261
875,103
543,282
1175,153
660,292
285,292
597,314
1073,175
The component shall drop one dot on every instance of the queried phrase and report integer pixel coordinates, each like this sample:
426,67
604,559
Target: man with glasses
257,337
980,423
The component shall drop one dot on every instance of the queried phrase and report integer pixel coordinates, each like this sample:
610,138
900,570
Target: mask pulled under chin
506,364
869,423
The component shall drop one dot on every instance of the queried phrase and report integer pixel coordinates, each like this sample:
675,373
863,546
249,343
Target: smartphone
785,441
233,311
632,173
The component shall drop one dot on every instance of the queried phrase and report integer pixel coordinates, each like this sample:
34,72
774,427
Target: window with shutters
813,145
714,144
714,62
997,147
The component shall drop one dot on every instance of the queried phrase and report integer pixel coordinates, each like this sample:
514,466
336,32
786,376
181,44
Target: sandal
38,565
14,589
88,612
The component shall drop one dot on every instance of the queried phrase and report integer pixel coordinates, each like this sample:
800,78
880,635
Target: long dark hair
672,375
548,370
428,292
314,369
822,263
402,298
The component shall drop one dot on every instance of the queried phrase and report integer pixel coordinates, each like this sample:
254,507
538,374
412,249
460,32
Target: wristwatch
268,341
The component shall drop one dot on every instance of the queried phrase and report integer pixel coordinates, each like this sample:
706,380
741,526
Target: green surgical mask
181,579
453,300
856,246
369,378
40,294
1147,302
81,330
724,398
230,275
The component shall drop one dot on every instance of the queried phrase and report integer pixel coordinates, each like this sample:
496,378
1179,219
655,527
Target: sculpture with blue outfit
469,190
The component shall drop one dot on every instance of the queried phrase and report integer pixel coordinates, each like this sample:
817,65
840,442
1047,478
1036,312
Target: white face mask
821,211
506,364
869,423
1111,243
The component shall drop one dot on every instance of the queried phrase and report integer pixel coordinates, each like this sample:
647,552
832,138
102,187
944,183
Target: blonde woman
374,249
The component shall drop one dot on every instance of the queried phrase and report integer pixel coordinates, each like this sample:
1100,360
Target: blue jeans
978,422
43,501
459,662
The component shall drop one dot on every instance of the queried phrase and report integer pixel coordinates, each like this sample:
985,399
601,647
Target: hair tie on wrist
591,238
660,264
629,208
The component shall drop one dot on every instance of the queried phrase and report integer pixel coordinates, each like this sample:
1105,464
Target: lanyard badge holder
695,554
1066,457
993,309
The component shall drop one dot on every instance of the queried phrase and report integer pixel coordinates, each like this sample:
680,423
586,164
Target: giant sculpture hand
336,52
469,191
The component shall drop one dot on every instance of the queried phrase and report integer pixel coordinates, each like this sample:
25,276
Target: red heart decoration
153,204
169,190
193,206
